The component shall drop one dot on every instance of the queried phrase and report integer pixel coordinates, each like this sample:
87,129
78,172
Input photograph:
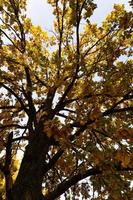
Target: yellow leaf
123,157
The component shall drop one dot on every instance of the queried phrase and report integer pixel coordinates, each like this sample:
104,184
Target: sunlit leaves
74,88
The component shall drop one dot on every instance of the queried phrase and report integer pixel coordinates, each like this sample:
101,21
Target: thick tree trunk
28,185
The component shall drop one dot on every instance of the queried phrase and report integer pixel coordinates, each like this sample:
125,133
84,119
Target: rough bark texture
28,184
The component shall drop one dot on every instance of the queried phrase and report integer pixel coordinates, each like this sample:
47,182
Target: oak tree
66,103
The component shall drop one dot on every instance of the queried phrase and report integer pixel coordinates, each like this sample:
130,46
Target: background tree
66,102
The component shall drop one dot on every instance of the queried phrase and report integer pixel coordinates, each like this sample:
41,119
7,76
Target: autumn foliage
66,104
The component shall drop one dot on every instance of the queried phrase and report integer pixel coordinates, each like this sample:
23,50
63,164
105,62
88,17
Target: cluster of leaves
75,88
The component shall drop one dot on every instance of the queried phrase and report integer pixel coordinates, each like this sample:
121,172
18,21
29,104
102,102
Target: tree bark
28,185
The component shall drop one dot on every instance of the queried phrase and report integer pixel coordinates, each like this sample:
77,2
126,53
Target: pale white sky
41,13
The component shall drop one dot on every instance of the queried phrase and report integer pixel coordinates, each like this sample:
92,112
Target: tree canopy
66,103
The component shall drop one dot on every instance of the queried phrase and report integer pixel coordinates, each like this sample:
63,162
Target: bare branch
10,27
96,43
11,40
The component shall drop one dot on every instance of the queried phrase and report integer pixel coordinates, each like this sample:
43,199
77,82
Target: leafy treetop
70,92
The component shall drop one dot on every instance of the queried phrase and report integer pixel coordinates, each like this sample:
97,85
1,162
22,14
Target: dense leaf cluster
66,103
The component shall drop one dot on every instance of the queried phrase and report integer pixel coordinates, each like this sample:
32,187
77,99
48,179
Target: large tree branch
61,31
2,126
16,10
53,160
20,138
119,110
7,170
2,168
60,105
28,95
7,107
42,82
127,96
65,185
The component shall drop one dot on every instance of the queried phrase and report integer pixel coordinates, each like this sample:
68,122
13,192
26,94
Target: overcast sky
41,13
